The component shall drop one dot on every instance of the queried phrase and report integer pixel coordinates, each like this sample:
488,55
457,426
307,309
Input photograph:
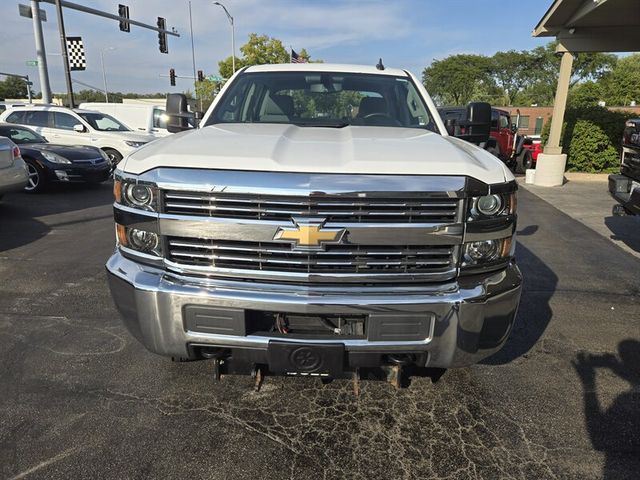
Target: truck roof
325,67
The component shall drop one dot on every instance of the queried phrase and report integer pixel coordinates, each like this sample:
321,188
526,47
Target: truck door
505,138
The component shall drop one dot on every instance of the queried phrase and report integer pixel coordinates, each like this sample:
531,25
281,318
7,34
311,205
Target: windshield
103,122
20,136
323,99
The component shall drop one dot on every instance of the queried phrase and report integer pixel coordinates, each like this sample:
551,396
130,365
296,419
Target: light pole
104,72
233,36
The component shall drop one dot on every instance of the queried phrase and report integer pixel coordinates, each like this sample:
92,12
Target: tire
494,150
37,180
114,156
524,161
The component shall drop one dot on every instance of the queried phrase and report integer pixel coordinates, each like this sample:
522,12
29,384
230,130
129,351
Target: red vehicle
504,141
533,143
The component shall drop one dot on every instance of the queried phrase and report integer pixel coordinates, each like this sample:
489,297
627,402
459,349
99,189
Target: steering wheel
381,116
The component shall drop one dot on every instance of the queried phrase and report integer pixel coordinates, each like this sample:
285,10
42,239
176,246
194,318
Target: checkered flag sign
75,51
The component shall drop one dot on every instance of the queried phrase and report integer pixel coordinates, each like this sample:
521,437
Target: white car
13,171
65,126
149,119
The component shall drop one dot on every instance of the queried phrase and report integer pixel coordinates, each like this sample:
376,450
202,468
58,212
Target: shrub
590,149
591,138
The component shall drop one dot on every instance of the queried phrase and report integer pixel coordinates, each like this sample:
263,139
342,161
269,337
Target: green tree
13,87
206,91
546,66
453,80
511,72
622,85
585,94
259,50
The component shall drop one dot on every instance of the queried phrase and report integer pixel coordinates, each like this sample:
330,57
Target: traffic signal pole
41,54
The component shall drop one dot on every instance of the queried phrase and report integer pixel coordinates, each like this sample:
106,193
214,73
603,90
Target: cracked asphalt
79,398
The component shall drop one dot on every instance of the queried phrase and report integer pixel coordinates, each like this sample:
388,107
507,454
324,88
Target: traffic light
123,11
172,77
200,76
162,37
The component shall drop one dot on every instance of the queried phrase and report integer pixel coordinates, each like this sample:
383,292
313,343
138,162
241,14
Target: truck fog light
142,240
489,205
482,250
139,195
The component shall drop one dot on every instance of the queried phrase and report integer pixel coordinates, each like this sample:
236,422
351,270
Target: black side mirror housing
514,128
477,123
178,113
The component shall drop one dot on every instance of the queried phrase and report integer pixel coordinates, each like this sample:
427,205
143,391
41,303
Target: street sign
31,63
25,11
215,78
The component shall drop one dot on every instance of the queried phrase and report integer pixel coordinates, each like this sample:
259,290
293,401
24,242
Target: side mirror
78,127
514,128
177,113
477,125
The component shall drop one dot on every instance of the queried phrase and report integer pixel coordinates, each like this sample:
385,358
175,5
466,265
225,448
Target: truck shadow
614,430
534,312
625,229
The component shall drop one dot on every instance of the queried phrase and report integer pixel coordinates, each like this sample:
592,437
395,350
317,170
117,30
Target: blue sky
405,33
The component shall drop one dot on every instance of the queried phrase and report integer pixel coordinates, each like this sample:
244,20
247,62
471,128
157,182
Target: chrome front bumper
471,318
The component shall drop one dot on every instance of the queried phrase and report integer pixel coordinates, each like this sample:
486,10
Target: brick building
533,119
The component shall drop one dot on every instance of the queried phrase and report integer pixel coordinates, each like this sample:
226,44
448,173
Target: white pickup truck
318,222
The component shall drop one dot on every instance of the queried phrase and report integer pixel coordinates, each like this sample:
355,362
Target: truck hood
289,148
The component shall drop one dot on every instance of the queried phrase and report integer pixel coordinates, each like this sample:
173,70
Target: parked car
504,142
625,186
149,119
319,220
65,126
47,162
13,171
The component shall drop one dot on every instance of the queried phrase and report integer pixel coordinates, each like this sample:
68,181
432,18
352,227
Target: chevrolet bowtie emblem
309,234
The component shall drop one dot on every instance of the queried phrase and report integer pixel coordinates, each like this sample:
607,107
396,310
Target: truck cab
320,221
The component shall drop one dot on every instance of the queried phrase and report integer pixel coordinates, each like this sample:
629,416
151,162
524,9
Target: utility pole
193,57
40,52
65,54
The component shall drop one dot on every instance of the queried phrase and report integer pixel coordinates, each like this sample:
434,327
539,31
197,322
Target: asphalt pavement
79,398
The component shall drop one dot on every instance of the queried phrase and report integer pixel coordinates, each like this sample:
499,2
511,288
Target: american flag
295,58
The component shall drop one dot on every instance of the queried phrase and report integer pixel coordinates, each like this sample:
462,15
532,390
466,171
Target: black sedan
47,162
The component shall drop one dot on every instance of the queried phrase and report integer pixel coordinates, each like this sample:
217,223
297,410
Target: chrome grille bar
279,257
338,208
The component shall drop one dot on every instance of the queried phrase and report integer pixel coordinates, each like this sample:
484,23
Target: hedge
591,138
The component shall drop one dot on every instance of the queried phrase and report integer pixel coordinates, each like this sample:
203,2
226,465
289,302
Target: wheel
37,180
524,161
114,156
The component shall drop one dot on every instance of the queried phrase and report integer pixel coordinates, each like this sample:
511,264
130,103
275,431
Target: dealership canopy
581,26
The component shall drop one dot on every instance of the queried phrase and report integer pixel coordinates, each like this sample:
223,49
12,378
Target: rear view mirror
178,113
477,123
78,127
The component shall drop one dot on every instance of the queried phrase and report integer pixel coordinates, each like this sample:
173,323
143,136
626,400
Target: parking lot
81,399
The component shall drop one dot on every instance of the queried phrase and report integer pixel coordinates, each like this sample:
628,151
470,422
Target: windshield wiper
325,125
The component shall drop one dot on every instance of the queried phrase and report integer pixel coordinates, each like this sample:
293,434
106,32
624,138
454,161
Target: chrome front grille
340,259
340,209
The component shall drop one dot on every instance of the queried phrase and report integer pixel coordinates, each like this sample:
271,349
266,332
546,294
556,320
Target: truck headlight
139,240
481,252
130,193
493,205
